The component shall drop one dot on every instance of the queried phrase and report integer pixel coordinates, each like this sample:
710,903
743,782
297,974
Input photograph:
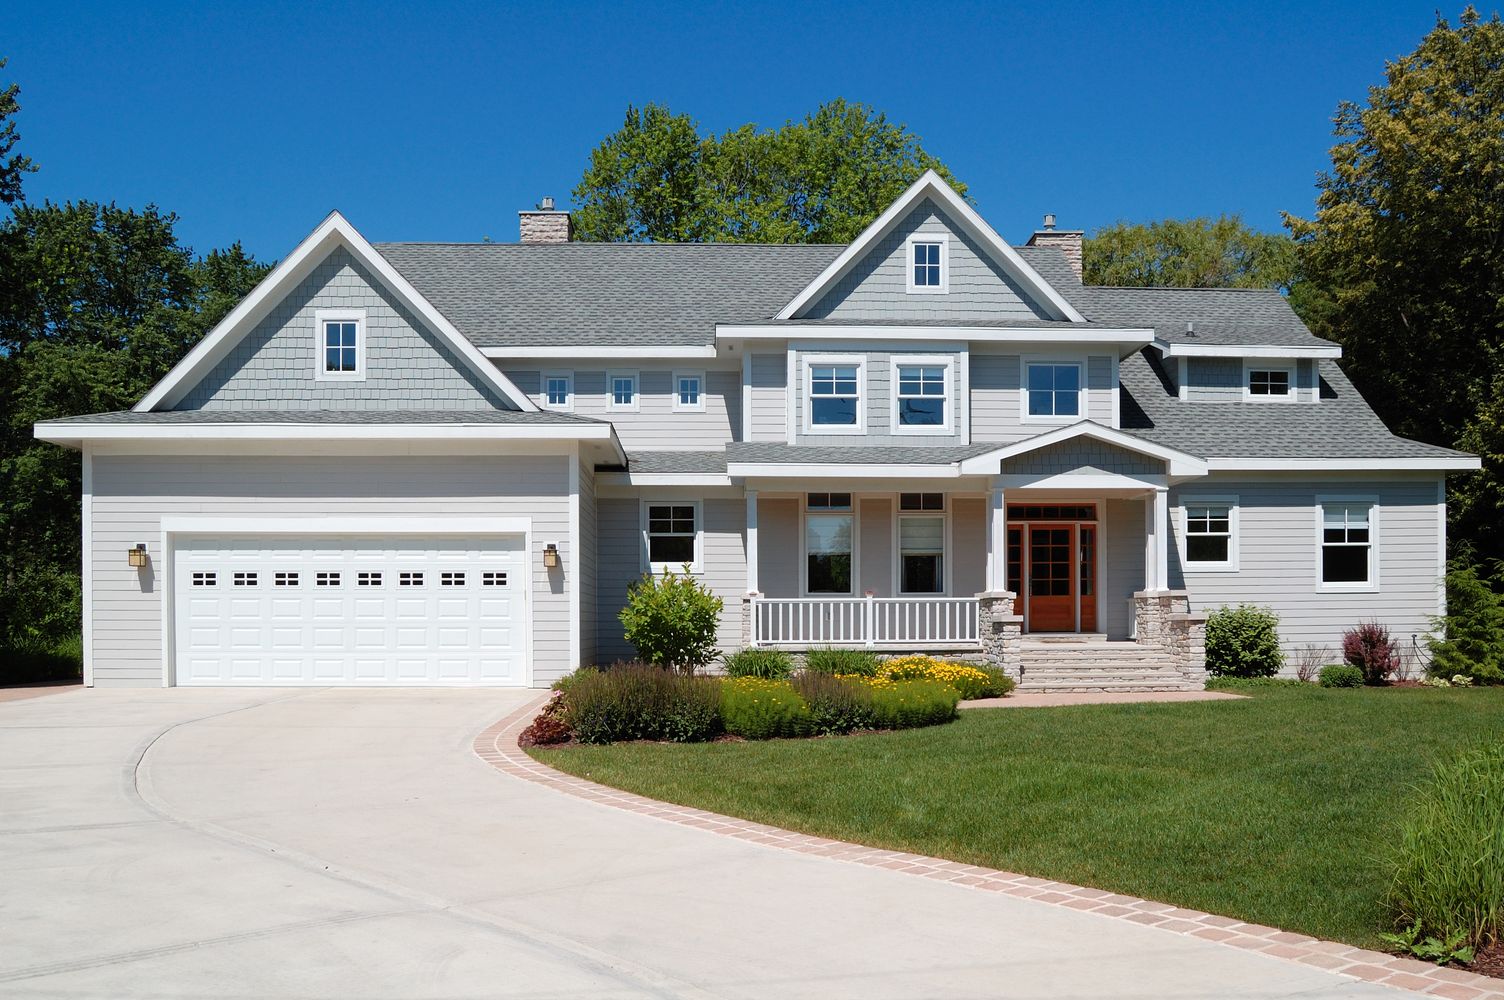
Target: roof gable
333,234
1083,441
989,246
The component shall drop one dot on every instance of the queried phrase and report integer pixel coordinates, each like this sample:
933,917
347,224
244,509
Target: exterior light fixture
136,557
550,556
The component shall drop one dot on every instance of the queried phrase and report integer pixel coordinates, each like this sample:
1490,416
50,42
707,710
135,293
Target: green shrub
835,705
909,704
672,620
63,662
758,709
999,684
1252,683
40,611
858,662
1470,638
1341,675
770,664
641,702
1446,872
1243,642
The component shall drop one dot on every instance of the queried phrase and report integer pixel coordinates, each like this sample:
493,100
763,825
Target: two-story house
445,463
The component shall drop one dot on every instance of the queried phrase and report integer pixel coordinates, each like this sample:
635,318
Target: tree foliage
818,180
13,166
1406,252
1189,253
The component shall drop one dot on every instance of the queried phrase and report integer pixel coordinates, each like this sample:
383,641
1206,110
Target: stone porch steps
1096,665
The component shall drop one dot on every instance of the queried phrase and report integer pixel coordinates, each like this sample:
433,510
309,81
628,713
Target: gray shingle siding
877,402
1084,457
875,289
408,367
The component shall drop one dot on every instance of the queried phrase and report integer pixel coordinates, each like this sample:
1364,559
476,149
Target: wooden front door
1052,578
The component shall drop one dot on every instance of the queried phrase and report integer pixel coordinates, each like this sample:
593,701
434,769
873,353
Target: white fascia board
1179,350
340,524
663,478
840,471
1180,463
334,231
646,352
1125,336
933,185
73,434
1461,463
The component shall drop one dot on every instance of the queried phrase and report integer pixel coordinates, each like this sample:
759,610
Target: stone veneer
1002,631
1163,619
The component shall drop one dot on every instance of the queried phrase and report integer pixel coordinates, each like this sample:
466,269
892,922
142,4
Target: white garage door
359,612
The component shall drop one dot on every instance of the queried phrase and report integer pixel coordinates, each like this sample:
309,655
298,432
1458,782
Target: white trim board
1180,463
1183,350
932,185
645,354
1130,338
334,231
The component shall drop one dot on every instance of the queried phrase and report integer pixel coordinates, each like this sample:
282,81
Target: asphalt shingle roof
372,417
677,461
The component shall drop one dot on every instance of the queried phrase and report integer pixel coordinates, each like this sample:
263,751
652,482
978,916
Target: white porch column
997,542
1157,540
752,542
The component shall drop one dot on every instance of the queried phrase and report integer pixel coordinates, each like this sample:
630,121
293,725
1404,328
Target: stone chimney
544,224
1068,241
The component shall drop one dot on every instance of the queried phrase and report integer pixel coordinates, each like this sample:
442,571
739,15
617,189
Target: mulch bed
1489,961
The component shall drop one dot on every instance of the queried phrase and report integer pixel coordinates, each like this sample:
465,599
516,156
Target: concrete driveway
327,843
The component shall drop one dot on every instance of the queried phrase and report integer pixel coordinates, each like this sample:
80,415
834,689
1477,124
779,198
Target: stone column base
748,601
1163,620
1002,631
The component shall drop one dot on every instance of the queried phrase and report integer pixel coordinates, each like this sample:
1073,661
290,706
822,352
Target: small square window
622,387
927,265
1054,390
245,579
689,391
205,579
1273,382
326,579
451,579
341,344
285,579
558,391
409,579
493,579
368,579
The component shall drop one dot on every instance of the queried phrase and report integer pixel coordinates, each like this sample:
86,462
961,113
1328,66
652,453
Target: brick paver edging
497,746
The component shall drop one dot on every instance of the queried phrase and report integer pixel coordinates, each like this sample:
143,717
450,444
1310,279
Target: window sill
923,430
677,569
815,429
1219,567
1347,588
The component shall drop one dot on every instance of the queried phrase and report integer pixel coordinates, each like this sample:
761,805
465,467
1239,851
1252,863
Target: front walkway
320,843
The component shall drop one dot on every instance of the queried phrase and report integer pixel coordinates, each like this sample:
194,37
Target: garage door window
409,579
451,579
286,579
327,579
368,579
204,579
493,579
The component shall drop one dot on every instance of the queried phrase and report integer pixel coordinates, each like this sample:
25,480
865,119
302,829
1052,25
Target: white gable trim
334,231
1180,463
1179,349
932,185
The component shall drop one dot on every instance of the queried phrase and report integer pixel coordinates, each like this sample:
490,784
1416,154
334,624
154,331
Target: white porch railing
914,622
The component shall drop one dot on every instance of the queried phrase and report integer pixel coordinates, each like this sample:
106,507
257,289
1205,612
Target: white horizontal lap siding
877,403
1099,389
1278,557
654,424
620,553
780,545
874,543
876,288
994,399
968,546
1123,527
133,494
589,568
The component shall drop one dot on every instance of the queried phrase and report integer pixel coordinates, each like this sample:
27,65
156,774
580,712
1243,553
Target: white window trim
568,405
1023,389
1230,565
698,565
680,407
1251,366
1372,585
358,317
946,361
944,513
809,361
611,403
908,263
856,529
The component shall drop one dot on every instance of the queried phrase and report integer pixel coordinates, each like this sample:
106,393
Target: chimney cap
1049,221
546,204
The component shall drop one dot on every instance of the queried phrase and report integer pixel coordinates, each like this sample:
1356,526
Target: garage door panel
349,610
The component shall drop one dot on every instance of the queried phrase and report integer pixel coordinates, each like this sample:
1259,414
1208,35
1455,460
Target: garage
363,612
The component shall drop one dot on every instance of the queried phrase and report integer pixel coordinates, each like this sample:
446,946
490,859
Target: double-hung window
928,263
621,390
1053,390
689,391
828,525
1347,536
920,402
921,543
671,532
1210,533
835,395
558,391
341,344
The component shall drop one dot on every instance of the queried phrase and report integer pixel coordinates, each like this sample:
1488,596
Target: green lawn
1271,809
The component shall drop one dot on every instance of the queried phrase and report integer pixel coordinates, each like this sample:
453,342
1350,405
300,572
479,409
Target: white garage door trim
174,527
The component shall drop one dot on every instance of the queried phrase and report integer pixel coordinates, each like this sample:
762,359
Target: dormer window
623,390
341,344
558,391
928,263
1267,382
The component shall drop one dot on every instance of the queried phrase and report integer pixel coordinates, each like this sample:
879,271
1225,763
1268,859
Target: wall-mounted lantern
550,556
136,557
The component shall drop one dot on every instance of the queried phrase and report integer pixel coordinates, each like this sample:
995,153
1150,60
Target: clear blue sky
438,122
